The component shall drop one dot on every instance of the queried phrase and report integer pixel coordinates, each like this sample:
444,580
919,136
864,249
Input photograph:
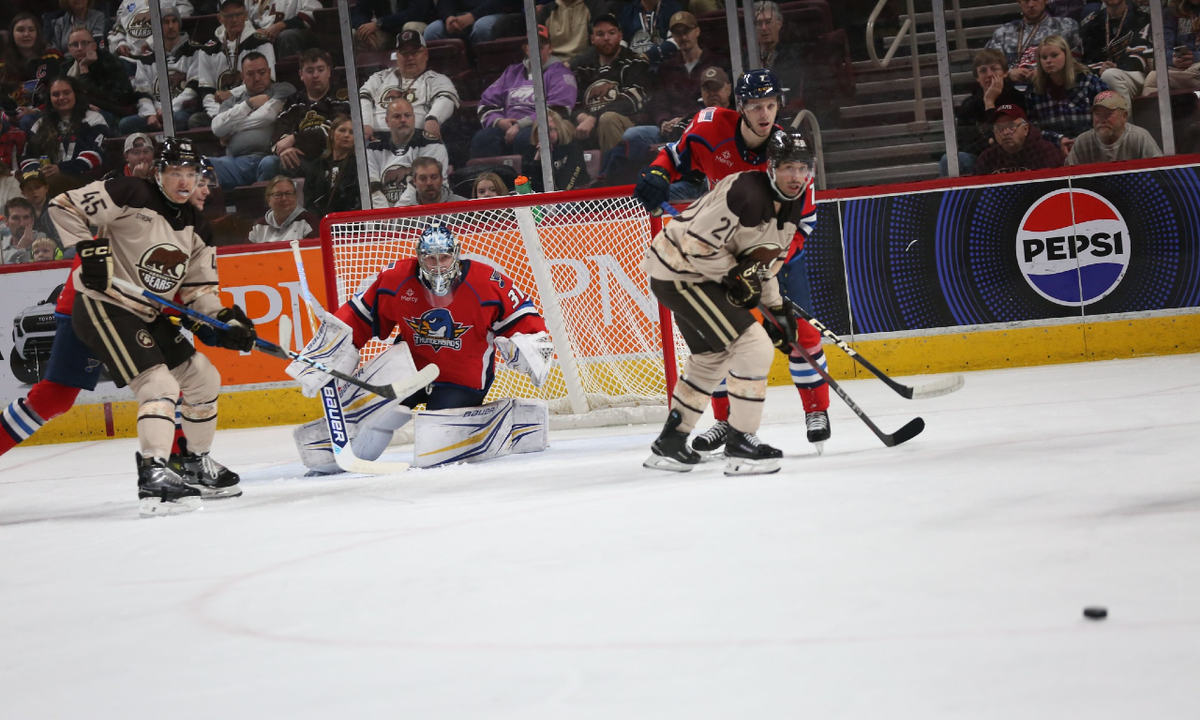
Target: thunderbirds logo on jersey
162,267
1073,247
437,329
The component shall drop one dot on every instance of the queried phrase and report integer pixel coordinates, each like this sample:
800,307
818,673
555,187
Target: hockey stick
904,434
331,402
945,386
394,391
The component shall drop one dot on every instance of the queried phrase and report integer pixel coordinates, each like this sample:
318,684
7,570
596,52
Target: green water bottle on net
524,187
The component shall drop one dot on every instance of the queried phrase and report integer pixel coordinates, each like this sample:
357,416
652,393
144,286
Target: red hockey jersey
455,332
713,145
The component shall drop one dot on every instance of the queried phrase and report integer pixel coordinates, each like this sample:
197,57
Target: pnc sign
1073,247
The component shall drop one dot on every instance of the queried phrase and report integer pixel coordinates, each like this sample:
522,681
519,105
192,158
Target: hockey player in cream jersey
160,242
710,267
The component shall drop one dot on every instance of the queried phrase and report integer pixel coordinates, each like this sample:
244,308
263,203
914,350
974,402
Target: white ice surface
944,578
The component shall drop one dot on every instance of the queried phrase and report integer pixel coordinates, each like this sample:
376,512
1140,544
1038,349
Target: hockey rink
944,578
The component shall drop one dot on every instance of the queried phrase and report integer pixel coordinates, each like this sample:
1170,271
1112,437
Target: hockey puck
1095,613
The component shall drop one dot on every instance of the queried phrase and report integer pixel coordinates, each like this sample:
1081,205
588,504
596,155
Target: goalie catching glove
333,345
783,331
528,353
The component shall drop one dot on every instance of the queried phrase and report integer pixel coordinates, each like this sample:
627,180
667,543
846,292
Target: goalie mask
790,152
437,254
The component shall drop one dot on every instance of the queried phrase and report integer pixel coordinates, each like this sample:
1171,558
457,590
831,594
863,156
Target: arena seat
512,161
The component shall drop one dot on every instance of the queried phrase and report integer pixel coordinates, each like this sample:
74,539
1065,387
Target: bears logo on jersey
599,94
437,329
162,267
139,25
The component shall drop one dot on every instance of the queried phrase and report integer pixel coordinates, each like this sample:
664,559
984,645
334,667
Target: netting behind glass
592,249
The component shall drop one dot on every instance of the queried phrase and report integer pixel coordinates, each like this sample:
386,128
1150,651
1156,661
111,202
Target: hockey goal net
577,254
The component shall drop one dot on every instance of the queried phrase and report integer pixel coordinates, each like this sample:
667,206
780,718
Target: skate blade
658,462
745,466
707,456
213,493
820,447
156,507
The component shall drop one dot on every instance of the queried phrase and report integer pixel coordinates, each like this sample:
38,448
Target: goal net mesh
591,248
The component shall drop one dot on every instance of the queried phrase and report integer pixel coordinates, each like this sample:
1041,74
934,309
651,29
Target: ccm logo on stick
1073,247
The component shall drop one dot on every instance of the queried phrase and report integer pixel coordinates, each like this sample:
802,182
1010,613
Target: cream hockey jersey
736,218
430,93
162,247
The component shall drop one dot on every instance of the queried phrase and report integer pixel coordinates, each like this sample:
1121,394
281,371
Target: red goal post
577,253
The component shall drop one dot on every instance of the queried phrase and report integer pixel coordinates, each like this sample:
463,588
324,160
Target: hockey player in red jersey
720,142
450,312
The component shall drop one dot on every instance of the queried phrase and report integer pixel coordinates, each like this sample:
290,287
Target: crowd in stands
447,98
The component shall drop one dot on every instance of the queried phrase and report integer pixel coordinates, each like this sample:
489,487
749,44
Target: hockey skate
161,491
211,478
819,430
709,443
745,454
670,450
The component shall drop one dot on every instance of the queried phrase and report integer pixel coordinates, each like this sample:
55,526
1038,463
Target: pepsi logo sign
1073,247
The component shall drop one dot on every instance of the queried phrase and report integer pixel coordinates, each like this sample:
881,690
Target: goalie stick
904,434
335,420
944,386
394,391
331,402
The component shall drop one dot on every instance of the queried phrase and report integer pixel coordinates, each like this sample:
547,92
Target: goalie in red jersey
450,312
719,143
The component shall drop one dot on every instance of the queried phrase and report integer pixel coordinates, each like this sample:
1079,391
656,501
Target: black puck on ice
1095,613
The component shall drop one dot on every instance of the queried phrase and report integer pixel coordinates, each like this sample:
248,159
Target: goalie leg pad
480,433
316,452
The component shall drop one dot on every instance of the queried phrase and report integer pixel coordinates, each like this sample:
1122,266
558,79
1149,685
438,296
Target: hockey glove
528,353
333,344
743,284
653,189
95,264
240,334
783,331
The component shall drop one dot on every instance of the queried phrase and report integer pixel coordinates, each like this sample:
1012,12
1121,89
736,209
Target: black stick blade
906,433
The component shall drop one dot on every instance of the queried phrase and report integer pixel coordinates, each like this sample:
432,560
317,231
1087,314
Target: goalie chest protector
457,332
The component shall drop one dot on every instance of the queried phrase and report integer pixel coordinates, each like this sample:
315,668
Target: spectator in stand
9,187
139,158
1181,21
131,33
1067,9
390,158
507,110
786,60
431,93
973,118
1117,46
19,233
1112,138
1019,146
101,76
182,54
285,220
699,7
246,122
77,14
301,131
612,82
288,24
680,77
331,183
36,191
646,26
488,184
427,187
66,144
44,250
473,19
217,70
378,22
205,184
26,65
568,21
1059,101
1019,39
570,168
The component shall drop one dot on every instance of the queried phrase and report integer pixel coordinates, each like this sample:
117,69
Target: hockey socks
814,393
25,416
720,403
